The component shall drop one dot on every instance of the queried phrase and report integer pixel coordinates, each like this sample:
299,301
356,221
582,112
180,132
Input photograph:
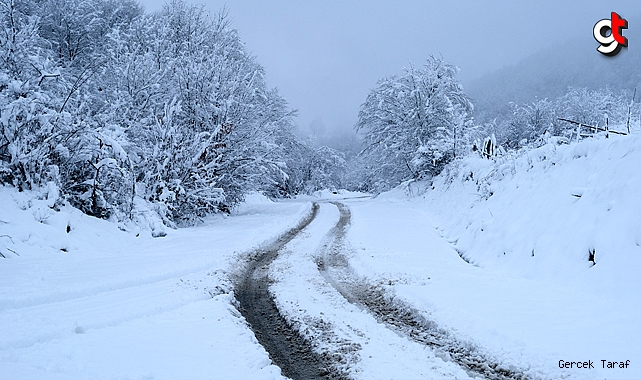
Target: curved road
319,355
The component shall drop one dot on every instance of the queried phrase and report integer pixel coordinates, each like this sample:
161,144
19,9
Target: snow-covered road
359,345
382,293
369,284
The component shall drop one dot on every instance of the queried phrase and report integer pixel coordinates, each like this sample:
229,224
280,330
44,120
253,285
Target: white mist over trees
551,72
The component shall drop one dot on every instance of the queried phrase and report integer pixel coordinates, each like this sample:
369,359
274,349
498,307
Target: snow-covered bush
591,107
527,124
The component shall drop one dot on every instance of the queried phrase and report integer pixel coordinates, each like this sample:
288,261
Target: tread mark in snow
399,316
291,352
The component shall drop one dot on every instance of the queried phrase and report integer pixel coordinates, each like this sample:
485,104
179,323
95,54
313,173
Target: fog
324,56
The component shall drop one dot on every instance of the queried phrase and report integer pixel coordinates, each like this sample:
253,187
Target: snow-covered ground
117,306
526,224
494,252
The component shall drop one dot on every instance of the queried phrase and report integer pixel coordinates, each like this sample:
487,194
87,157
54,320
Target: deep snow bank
544,212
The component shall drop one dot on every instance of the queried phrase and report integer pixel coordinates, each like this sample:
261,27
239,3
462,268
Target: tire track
286,347
399,316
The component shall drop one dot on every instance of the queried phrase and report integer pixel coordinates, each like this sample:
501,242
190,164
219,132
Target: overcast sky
325,56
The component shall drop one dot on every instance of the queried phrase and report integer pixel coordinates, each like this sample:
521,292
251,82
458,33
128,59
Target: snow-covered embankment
528,225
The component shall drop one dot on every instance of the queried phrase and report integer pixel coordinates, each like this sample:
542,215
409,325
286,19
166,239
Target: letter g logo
611,44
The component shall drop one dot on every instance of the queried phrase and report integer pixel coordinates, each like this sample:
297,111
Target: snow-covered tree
414,123
325,169
590,107
110,104
30,129
529,122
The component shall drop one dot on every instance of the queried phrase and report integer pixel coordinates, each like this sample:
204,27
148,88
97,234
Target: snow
319,311
119,306
496,252
529,296
326,195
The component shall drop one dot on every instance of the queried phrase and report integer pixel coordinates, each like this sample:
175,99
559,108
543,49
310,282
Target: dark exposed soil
287,349
400,317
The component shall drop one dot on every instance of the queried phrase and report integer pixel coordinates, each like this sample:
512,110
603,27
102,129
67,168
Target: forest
114,110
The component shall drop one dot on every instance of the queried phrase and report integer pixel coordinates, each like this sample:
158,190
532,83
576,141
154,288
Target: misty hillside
549,73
